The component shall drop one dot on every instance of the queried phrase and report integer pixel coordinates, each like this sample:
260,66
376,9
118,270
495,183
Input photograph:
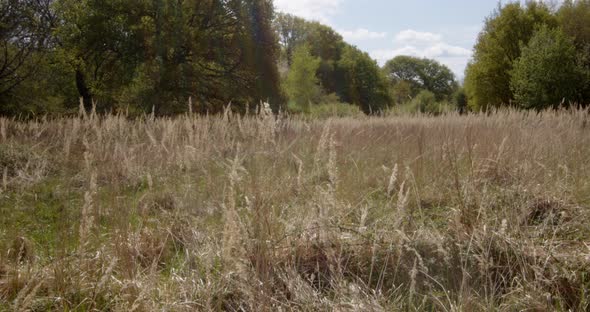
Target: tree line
157,55
141,56
318,67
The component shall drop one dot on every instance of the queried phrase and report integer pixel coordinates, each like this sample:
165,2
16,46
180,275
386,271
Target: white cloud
319,10
361,34
446,50
413,37
428,45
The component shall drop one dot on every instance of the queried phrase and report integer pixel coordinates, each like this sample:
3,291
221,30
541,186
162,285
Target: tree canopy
365,84
547,73
156,54
421,74
574,19
24,31
506,31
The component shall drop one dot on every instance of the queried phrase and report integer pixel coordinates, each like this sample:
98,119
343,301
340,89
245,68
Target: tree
302,84
24,30
328,45
487,80
262,52
292,32
365,84
402,91
574,20
33,78
343,69
100,42
547,73
158,53
407,70
460,100
324,43
421,74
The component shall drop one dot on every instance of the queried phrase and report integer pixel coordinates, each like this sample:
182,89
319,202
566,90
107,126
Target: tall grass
209,213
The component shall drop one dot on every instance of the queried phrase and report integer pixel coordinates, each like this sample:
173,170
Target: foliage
24,33
261,51
547,73
487,81
402,92
292,32
343,69
425,102
302,85
420,74
365,86
335,110
460,100
574,20
144,54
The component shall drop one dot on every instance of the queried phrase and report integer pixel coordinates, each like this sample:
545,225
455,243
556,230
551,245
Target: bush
294,108
424,103
335,109
330,106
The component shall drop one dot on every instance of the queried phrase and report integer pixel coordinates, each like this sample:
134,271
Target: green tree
487,81
547,73
292,32
365,84
24,32
402,91
262,51
460,100
302,85
328,45
574,20
421,74
158,53
324,43
93,40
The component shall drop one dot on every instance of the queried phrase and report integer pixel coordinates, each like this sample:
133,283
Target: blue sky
444,30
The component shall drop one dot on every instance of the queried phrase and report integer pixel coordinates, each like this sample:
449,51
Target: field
211,213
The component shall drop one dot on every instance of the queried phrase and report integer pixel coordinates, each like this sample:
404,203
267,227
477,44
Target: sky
444,30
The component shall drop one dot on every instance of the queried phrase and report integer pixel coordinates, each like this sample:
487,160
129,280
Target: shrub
423,103
335,109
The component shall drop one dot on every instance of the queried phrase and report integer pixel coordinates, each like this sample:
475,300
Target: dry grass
235,213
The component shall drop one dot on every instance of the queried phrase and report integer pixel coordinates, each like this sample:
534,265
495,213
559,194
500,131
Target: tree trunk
83,90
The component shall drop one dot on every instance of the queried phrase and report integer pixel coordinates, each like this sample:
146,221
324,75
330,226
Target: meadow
483,212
